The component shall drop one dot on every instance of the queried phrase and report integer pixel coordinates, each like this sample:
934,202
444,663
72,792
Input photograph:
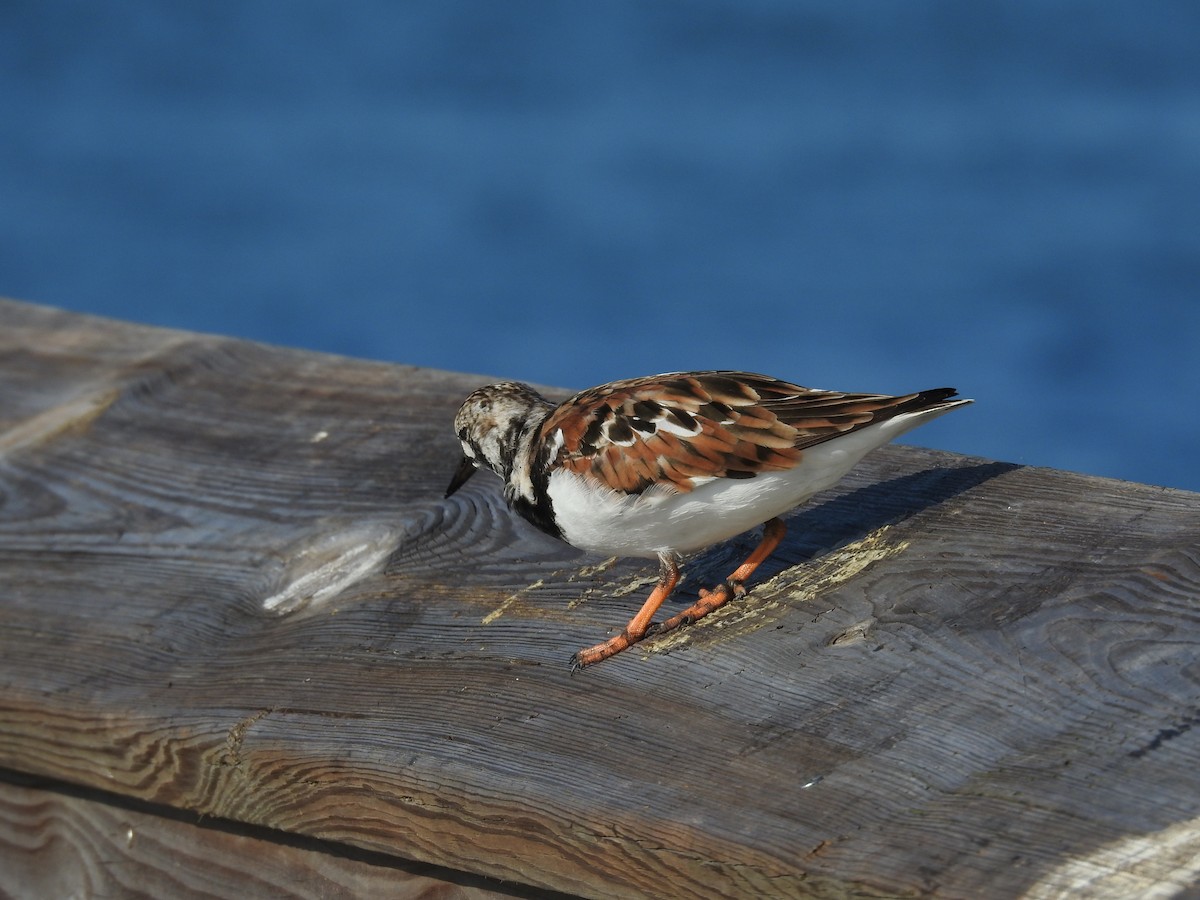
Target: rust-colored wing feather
682,429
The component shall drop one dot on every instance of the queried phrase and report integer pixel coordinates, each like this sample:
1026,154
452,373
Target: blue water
1001,195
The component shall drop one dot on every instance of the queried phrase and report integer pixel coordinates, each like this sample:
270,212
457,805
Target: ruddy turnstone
664,465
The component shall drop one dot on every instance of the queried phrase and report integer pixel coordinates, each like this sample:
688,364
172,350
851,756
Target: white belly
601,521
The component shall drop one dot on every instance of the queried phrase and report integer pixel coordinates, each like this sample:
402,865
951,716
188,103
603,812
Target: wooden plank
235,589
68,843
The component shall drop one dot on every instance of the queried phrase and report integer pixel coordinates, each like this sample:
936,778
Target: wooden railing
246,648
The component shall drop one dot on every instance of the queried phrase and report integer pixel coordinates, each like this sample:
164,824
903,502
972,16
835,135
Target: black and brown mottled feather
681,429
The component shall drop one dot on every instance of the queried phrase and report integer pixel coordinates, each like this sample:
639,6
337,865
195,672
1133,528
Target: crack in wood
232,757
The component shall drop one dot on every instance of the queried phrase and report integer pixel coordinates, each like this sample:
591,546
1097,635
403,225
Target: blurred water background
1000,195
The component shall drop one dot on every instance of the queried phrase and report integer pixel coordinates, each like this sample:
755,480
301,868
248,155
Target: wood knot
855,634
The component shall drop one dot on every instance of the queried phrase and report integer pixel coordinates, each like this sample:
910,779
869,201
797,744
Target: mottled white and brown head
495,426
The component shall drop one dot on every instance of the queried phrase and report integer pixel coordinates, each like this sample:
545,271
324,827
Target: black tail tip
936,395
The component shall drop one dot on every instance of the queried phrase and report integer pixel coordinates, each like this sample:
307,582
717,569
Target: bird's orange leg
668,577
734,586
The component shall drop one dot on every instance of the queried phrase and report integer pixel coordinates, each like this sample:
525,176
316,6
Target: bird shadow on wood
824,525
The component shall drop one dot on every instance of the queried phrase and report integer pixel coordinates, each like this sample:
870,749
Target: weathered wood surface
59,843
229,584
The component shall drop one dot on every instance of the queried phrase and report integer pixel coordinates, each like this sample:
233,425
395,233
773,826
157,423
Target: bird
661,466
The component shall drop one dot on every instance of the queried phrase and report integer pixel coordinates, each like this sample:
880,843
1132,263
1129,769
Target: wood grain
56,841
229,584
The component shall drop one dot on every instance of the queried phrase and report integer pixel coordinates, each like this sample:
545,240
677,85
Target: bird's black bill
466,469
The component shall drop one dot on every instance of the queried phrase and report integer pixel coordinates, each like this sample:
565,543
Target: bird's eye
485,405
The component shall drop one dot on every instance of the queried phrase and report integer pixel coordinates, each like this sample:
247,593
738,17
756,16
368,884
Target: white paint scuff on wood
329,565
1153,866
